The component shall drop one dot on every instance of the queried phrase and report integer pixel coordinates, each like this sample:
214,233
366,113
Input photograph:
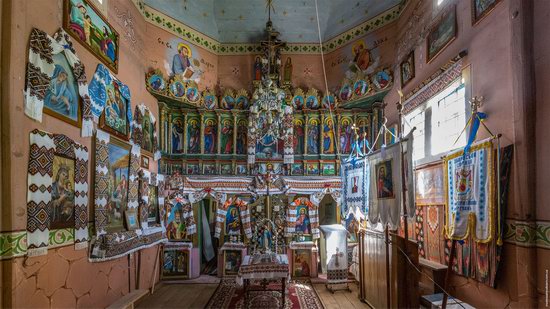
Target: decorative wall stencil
470,182
111,101
91,29
417,27
45,189
127,22
56,81
144,131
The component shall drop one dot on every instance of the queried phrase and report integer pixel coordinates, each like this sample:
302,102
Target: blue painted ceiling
243,21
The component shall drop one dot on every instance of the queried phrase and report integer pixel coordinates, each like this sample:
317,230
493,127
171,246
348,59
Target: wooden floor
197,296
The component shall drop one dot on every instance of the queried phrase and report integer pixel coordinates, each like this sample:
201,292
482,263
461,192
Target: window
439,123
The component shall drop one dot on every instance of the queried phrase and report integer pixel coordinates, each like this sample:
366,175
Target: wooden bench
128,300
435,271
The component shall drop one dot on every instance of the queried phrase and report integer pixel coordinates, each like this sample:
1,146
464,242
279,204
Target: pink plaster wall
64,278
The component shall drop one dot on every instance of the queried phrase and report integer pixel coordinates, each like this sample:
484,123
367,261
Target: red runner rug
300,294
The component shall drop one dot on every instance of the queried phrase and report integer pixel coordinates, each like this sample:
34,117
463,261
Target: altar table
263,267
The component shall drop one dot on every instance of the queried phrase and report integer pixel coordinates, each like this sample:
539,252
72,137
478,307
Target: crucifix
272,47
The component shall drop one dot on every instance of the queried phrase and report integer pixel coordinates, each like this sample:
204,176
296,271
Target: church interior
274,153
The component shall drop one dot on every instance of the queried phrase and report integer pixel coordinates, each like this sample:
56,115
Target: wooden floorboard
340,299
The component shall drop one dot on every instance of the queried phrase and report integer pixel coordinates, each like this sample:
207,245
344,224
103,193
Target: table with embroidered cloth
264,267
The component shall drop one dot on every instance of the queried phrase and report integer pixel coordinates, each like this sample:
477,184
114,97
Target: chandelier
267,112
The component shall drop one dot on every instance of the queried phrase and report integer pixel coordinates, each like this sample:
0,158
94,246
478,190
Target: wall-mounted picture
232,262
89,27
301,264
62,192
176,229
119,166
297,169
407,69
145,162
193,169
482,8
328,169
303,224
148,137
441,34
226,168
175,263
155,81
384,180
131,220
209,168
153,211
115,117
62,99
241,169
312,169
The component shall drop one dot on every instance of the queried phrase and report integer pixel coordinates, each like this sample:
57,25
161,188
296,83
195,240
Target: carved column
201,137
170,133
306,129
219,133
234,132
321,134
185,133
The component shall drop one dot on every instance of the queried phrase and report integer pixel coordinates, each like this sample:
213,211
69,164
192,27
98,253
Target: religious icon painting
192,93
177,87
132,222
242,101
382,79
242,136
63,193
175,263
226,138
303,223
119,168
193,136
176,228
313,134
482,8
312,169
232,262
210,101
441,34
209,169
312,102
299,136
153,216
114,119
228,102
384,179
328,169
329,102
241,169
232,221
345,92
360,88
297,169
62,98
148,137
301,263
210,136
328,141
407,70
144,162
298,100
89,27
226,168
346,134
193,168
155,81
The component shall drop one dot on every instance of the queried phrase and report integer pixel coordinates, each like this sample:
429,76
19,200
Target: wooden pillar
201,137
170,133
218,133
185,133
234,133
306,129
321,136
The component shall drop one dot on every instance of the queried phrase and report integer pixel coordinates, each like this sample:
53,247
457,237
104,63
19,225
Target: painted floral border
14,244
528,234
179,29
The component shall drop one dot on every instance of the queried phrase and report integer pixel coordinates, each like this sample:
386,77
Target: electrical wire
337,146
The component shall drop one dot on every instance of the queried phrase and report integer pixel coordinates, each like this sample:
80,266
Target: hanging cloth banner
244,214
42,74
470,181
355,185
386,186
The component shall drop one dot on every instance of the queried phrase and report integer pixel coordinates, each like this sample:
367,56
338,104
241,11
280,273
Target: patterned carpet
300,294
